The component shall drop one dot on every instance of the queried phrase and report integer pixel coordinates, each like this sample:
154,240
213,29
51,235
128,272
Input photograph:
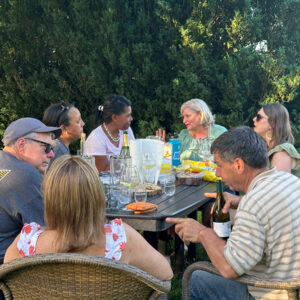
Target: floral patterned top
114,231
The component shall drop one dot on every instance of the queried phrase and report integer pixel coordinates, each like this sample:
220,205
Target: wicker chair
77,276
292,287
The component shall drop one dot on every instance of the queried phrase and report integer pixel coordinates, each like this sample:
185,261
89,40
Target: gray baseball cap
24,126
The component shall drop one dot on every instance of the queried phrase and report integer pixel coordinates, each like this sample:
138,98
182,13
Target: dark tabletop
185,200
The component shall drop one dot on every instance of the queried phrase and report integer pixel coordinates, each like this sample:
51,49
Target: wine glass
148,165
205,149
116,164
130,178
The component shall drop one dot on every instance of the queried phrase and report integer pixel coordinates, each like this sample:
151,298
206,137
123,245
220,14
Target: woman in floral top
74,214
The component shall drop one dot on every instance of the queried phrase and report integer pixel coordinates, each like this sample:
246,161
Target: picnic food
142,207
193,172
152,189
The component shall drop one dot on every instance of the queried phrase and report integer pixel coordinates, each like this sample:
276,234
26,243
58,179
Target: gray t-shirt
20,198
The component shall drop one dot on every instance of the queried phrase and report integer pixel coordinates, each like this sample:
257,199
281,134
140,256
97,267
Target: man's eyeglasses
259,117
48,148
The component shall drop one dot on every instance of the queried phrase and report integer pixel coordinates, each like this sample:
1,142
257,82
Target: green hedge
157,53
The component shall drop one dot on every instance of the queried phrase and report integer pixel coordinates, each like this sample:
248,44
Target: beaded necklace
110,135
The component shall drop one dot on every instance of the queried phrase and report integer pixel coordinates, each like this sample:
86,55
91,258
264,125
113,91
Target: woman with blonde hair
200,124
272,123
75,217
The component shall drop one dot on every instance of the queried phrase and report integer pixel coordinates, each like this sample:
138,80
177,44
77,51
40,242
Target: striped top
265,240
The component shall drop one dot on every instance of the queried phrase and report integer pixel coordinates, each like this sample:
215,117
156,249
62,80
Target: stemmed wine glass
205,149
130,178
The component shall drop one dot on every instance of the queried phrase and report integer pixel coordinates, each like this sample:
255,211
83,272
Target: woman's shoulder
184,133
217,130
28,238
115,239
96,132
288,147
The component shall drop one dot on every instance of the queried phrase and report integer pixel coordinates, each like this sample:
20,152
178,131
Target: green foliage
236,55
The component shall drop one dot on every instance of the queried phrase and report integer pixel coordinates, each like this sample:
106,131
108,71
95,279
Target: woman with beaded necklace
107,139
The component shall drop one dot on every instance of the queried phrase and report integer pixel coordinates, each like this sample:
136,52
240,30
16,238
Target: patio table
185,202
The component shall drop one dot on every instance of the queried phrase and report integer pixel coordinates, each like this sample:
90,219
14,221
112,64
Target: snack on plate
152,189
142,207
192,172
190,178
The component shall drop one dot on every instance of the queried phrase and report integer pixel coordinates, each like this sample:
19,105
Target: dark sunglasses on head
259,117
48,148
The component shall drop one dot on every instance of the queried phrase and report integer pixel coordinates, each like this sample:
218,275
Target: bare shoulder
282,161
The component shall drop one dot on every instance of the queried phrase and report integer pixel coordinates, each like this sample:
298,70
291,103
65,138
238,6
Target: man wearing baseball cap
28,148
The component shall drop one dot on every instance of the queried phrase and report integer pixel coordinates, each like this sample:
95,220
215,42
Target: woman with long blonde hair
75,217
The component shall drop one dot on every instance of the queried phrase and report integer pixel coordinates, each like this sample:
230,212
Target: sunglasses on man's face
48,147
259,117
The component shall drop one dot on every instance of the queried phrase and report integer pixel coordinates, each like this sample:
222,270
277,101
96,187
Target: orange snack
142,207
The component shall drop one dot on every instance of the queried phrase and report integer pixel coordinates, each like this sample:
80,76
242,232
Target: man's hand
187,229
231,201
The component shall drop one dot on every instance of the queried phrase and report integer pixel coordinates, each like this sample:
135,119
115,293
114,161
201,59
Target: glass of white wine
148,168
130,178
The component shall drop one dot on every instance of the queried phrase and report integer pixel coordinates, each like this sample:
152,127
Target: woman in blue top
199,123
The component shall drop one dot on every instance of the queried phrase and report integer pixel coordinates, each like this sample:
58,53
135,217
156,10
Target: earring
268,138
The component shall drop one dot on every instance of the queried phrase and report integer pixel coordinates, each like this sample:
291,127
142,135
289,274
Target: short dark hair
242,142
57,114
112,105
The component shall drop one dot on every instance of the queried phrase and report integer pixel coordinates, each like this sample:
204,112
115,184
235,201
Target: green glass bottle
221,222
125,153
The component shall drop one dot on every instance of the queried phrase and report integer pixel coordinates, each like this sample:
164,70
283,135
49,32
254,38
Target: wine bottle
82,145
125,147
90,159
221,221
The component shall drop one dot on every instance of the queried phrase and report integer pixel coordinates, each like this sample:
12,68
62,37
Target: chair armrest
6,291
290,286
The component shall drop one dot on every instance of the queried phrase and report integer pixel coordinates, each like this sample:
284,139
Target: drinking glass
106,181
130,178
140,194
148,168
116,165
124,197
114,195
168,184
205,149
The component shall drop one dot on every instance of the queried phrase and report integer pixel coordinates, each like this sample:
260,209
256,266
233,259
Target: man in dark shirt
25,157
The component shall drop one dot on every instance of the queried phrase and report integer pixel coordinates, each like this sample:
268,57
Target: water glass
106,181
125,197
113,201
140,194
169,188
168,184
148,168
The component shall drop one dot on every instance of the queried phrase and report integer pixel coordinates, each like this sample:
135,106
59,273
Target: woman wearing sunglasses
272,123
68,118
75,222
